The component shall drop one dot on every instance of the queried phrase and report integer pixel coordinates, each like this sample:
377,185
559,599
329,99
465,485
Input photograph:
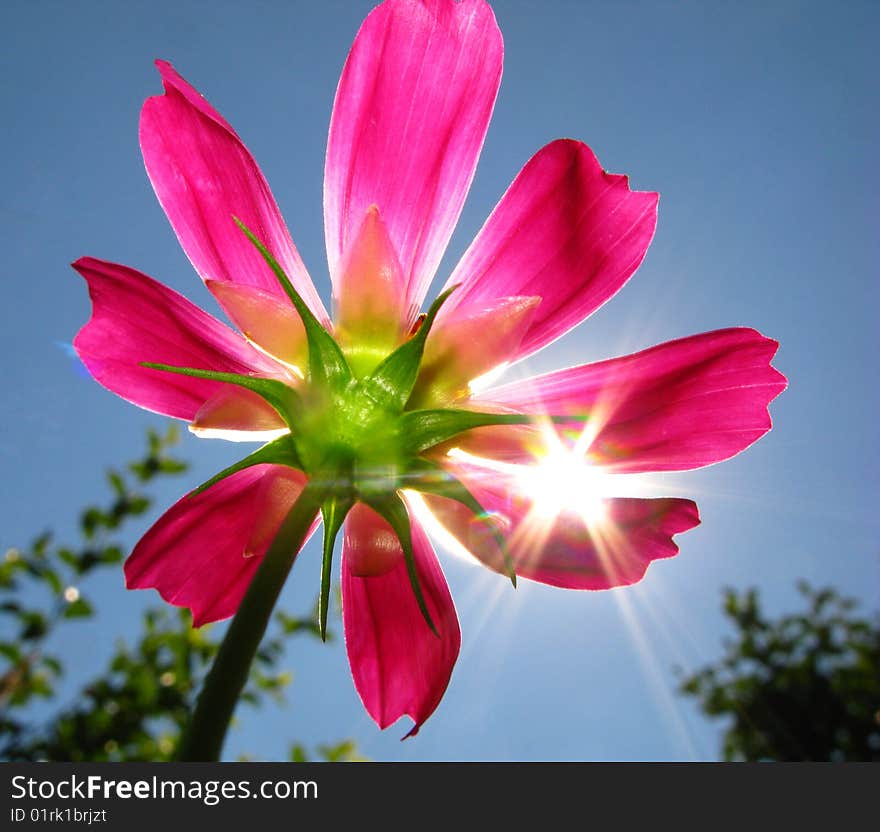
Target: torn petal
136,319
566,230
566,548
684,404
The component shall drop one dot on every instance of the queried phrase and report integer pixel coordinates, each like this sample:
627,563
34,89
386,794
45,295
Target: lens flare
564,481
436,530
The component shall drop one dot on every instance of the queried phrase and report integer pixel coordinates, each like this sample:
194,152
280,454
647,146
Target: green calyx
354,437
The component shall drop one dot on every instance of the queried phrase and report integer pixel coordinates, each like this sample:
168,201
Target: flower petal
679,405
136,319
469,346
238,414
370,297
204,176
568,549
399,666
410,115
203,552
371,546
272,324
565,231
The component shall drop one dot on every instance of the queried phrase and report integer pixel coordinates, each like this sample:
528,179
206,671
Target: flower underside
353,433
363,409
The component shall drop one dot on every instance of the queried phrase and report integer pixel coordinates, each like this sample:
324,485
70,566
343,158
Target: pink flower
410,115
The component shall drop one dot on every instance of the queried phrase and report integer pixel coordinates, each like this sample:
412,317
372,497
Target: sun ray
486,592
669,706
436,530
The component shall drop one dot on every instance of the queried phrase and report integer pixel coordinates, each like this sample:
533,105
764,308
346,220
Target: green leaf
54,580
298,754
392,509
334,511
34,625
138,504
111,554
87,561
41,544
69,557
53,664
291,625
340,752
429,478
327,364
281,451
91,520
392,382
423,429
10,652
280,396
78,609
145,470
169,465
116,483
154,441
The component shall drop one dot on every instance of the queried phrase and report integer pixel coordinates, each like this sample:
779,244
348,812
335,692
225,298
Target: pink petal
679,405
410,115
238,410
265,320
565,231
371,546
370,296
469,345
399,666
136,319
568,550
203,552
204,176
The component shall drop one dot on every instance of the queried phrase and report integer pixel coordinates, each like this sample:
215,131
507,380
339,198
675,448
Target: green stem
204,736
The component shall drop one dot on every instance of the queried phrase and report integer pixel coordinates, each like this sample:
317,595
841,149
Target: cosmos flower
380,411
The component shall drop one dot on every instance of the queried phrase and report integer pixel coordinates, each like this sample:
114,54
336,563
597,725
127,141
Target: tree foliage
137,707
803,686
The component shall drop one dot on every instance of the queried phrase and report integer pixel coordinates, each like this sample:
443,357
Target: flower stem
204,736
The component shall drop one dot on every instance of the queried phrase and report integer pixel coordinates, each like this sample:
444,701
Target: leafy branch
136,708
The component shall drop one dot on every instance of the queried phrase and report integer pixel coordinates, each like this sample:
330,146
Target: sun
560,479
564,481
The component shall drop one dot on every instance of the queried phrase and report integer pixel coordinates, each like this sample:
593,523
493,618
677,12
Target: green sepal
430,478
393,510
281,451
392,382
283,398
333,510
327,364
423,429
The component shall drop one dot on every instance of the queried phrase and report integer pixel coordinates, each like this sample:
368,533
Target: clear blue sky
758,124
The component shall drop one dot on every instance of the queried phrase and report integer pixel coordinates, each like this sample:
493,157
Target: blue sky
758,124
